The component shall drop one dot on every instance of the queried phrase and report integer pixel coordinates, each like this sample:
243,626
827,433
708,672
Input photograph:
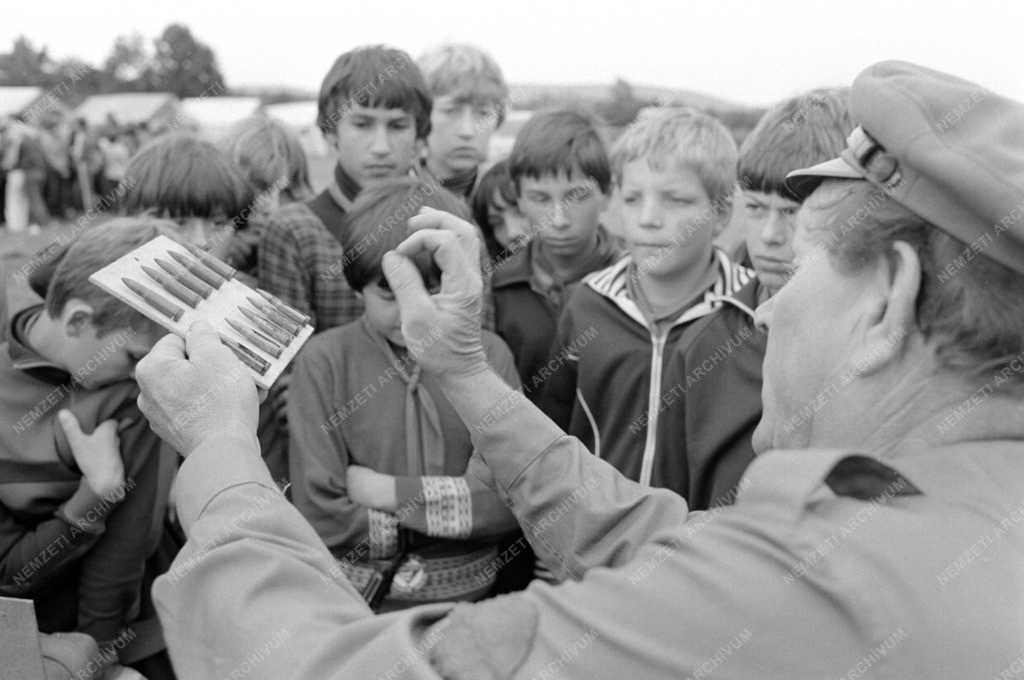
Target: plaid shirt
301,262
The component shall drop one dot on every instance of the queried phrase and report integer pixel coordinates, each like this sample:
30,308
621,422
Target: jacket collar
517,267
24,357
611,283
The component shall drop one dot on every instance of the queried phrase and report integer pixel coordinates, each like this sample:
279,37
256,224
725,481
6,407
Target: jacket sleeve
111,576
31,556
722,409
557,380
318,462
576,510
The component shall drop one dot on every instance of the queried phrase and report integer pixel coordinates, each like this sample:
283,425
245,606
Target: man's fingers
72,430
405,282
457,268
168,347
437,220
429,218
106,427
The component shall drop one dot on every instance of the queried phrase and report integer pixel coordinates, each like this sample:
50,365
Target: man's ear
892,311
76,318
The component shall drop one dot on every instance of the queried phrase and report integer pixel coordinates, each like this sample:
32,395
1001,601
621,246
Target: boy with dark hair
408,500
374,111
560,171
80,513
796,133
470,96
189,180
675,173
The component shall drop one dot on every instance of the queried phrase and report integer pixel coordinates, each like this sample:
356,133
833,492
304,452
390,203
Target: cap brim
802,183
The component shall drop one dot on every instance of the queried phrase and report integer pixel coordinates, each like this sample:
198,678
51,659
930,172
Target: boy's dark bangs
586,156
764,181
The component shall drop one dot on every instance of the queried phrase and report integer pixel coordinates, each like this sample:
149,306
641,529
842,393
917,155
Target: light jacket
829,564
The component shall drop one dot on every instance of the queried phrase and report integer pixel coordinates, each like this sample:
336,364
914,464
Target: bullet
185,278
173,287
279,335
271,313
289,311
198,269
219,266
155,300
271,348
246,355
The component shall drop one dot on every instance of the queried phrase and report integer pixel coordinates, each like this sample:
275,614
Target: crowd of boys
639,341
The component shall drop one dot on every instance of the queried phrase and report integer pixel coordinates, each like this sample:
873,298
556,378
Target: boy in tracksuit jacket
641,339
721,412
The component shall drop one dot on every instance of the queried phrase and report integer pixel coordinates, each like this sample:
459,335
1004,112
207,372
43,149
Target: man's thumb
202,343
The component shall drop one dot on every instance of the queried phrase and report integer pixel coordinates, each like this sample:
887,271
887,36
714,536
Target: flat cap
948,150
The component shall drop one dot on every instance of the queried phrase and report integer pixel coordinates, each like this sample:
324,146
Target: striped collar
611,283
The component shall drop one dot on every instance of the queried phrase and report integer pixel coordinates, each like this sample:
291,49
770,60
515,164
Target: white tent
156,108
17,100
301,117
215,115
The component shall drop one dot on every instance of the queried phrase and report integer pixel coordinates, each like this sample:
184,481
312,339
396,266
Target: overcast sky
753,52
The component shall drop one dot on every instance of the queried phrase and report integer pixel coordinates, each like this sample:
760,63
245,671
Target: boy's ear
331,137
76,318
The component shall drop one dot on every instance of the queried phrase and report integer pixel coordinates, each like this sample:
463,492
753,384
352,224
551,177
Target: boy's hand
371,489
441,331
118,672
194,390
98,455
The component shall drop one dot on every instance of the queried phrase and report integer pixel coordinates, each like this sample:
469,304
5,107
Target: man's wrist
226,437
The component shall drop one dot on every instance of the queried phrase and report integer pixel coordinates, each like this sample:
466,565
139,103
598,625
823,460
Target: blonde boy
674,173
470,96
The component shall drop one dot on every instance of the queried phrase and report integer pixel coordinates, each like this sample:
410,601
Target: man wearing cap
880,533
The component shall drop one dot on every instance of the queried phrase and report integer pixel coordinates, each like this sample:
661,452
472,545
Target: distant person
495,211
54,139
116,151
795,133
25,163
272,160
470,97
675,173
391,485
559,168
374,111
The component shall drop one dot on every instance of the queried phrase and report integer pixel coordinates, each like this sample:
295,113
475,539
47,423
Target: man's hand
195,389
441,331
371,489
98,455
